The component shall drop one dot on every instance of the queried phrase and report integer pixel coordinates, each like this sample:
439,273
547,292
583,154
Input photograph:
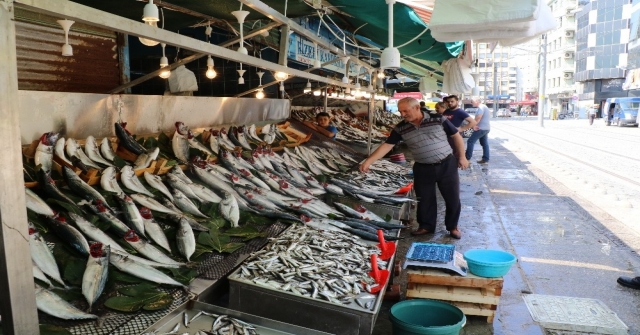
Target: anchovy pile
386,119
314,264
222,325
350,128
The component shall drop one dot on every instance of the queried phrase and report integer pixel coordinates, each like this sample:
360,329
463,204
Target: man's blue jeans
483,136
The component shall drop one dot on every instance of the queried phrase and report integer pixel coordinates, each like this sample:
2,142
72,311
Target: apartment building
497,79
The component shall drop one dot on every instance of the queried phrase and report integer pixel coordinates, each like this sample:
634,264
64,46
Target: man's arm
471,123
325,132
478,118
463,163
382,150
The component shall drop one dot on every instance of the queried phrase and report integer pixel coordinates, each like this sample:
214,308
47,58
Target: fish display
50,303
95,274
44,150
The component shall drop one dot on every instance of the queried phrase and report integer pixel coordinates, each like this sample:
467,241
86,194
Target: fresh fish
197,145
131,214
68,234
297,176
74,150
253,134
216,183
255,199
272,183
175,218
257,154
317,224
148,250
242,137
38,274
225,139
237,158
360,212
79,186
156,182
333,188
255,163
365,199
185,204
185,239
293,191
204,193
144,159
42,256
275,214
103,213
180,143
253,179
95,274
270,137
313,182
377,224
219,171
52,304
126,140
130,180
153,229
108,181
228,161
231,135
178,184
50,188
106,150
44,151
370,236
94,233
229,209
79,164
92,151
177,172
213,141
127,265
36,204
59,150
236,180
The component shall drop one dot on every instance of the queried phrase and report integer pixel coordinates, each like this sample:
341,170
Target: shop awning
524,103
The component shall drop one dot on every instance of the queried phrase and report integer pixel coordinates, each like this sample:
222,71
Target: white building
527,60
496,66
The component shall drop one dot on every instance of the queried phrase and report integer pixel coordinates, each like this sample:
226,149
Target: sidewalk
561,249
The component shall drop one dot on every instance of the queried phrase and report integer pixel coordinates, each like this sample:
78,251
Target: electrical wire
413,39
337,37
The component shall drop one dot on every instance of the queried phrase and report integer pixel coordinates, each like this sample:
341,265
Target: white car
503,112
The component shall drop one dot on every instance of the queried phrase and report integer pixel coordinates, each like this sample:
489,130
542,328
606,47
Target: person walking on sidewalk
592,115
426,136
481,132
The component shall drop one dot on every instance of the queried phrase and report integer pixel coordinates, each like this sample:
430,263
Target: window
481,83
504,83
482,64
482,46
505,64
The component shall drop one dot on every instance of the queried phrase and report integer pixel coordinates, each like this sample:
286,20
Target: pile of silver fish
314,264
222,325
350,128
386,119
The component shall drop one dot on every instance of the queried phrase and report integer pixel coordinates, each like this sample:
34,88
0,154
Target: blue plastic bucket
489,263
426,317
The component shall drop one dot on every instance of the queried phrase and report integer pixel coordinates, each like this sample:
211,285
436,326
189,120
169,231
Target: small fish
108,181
103,213
185,239
144,159
197,145
44,151
178,184
185,204
130,180
156,182
92,151
52,304
106,150
153,229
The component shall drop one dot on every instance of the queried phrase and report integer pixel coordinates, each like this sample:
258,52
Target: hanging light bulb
317,92
67,50
308,88
240,16
282,86
260,93
345,78
381,74
146,41
211,73
390,57
281,76
241,74
370,88
150,12
164,62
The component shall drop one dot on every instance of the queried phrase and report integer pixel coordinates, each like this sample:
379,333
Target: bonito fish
36,204
52,304
74,150
95,274
44,151
42,256
130,180
91,148
127,265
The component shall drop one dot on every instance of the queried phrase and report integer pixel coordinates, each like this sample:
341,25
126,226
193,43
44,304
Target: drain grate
431,252
574,314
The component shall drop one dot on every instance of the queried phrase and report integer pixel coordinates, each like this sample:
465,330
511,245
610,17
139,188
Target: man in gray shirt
481,131
426,136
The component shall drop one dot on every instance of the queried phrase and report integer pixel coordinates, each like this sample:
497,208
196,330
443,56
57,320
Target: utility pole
495,87
543,82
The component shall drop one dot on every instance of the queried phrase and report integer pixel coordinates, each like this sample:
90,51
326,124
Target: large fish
177,172
185,204
178,184
131,214
103,213
229,209
59,150
42,256
144,159
197,145
185,239
156,182
258,200
253,135
91,148
213,141
148,250
36,204
52,304
95,274
38,274
140,270
255,180
108,181
241,136
79,186
106,150
94,233
74,150
153,229
44,151
180,142
130,180
360,212
126,140
69,234
225,140
153,204
204,193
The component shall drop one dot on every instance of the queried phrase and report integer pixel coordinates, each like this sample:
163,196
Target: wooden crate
472,294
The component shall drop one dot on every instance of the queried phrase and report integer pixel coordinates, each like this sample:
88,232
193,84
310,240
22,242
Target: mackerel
140,270
331,188
231,135
204,193
38,274
91,148
95,274
68,234
197,145
94,233
36,204
229,209
144,159
255,162
237,158
272,183
236,180
50,303
255,199
253,179
359,213
44,150
148,250
175,218
216,183
42,256
253,134
79,186
130,180
293,191
153,229
180,143
103,213
185,204
106,150
131,214
242,137
317,224
176,171
185,239
178,184
156,182
213,141
59,150
50,188
276,214
74,150
126,140
108,181
225,139
228,161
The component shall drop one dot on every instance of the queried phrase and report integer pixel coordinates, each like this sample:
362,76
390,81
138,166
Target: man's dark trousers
425,178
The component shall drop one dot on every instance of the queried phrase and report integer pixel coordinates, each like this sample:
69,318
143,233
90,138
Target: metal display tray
263,326
402,212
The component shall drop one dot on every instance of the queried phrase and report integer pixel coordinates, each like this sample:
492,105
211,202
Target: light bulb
146,41
259,94
165,73
316,93
211,73
280,76
381,74
308,88
150,12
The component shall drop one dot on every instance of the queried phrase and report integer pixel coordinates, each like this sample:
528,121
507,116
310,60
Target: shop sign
632,80
304,51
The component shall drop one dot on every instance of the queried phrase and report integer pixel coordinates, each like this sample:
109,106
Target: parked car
621,111
503,112
471,110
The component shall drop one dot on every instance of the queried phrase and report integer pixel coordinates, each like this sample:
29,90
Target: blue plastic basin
426,317
489,263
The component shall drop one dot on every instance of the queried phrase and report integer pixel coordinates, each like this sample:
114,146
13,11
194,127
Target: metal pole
371,120
543,82
18,303
495,87
325,99
486,74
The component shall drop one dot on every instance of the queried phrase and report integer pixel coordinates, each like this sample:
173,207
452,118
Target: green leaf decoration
140,140
248,217
247,232
171,162
216,223
119,162
184,276
332,216
124,304
73,294
200,250
388,218
150,143
34,218
53,330
137,290
120,276
144,296
321,178
231,247
210,209
67,206
161,302
73,271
